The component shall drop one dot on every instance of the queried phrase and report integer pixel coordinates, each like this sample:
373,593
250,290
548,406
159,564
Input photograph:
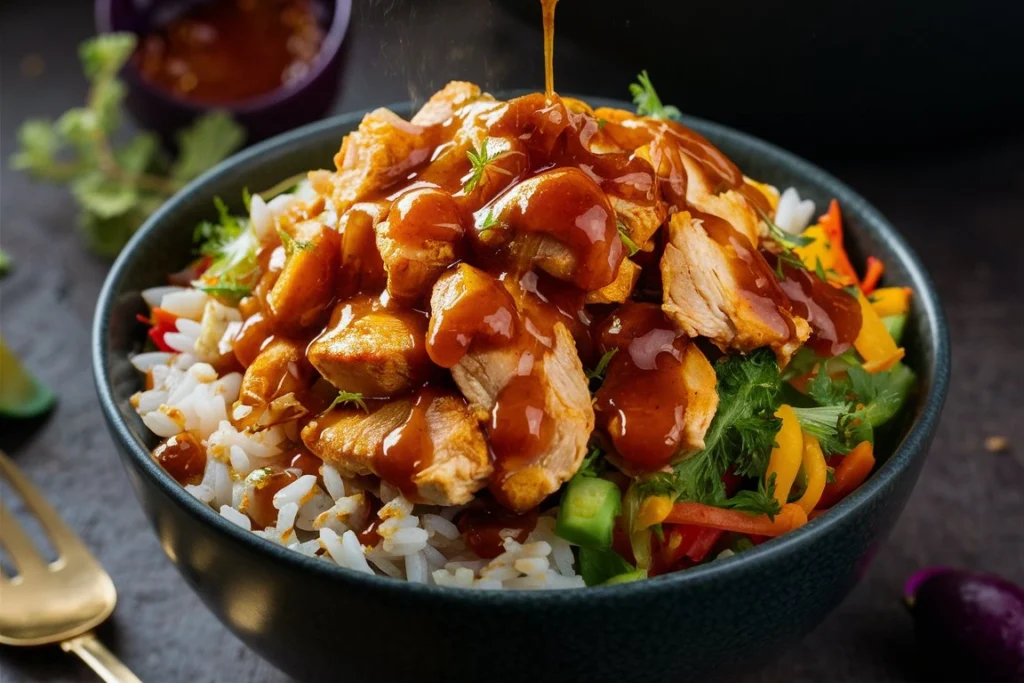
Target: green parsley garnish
116,187
597,374
347,397
489,222
601,123
593,465
290,244
647,101
630,244
232,244
479,161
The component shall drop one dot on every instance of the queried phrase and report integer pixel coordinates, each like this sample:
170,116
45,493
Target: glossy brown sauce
834,315
226,51
548,17
260,506
182,457
408,449
641,404
485,526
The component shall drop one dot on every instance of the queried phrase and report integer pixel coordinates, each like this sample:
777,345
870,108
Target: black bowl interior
164,245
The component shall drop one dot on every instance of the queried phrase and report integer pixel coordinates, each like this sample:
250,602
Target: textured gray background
961,207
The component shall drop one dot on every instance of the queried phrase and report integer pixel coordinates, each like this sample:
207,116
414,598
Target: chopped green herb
247,199
602,366
232,244
346,397
479,160
630,244
593,465
225,288
760,501
290,244
601,123
819,270
647,101
5,262
598,565
116,187
489,222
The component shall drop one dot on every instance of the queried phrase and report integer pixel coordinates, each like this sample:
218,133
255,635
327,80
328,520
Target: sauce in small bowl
272,64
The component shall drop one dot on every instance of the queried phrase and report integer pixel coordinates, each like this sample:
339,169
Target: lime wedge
21,394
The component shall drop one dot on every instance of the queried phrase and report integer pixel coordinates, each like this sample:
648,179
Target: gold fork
56,602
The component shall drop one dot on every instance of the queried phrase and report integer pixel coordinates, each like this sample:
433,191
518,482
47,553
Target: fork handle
101,660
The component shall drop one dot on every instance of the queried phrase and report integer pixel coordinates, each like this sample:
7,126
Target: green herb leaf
224,288
291,245
600,565
602,366
208,141
881,393
5,263
593,465
104,55
232,244
630,244
488,223
647,101
247,199
347,397
831,425
756,502
479,160
601,123
103,196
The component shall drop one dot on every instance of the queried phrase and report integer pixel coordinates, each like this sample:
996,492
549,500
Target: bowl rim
328,52
912,447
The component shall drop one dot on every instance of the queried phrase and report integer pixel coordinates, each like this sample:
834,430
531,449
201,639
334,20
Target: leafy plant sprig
647,101
117,186
349,397
626,239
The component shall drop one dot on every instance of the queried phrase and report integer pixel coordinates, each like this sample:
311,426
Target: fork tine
19,546
64,540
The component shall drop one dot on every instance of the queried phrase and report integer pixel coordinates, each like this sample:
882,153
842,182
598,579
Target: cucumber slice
628,577
587,514
895,324
21,394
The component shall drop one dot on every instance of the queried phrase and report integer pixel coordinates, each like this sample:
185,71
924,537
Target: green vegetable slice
588,511
21,394
628,577
598,565
895,324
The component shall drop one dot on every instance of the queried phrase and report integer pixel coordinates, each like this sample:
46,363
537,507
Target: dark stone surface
961,206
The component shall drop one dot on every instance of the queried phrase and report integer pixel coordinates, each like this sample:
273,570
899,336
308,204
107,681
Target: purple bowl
287,107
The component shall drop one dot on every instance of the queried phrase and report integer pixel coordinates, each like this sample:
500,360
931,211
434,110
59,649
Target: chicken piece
731,206
429,446
372,350
420,239
280,369
362,269
442,104
702,398
384,149
716,285
469,306
619,290
639,221
539,423
305,287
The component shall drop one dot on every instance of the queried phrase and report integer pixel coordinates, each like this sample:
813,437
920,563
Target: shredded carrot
849,474
791,517
872,275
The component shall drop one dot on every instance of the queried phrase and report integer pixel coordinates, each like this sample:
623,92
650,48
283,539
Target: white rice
316,516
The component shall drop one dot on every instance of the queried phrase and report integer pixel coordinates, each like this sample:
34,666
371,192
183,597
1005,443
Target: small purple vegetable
970,625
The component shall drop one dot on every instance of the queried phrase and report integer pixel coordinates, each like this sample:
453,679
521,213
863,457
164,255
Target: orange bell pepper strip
791,517
874,343
815,469
832,225
787,454
872,275
891,300
653,510
849,474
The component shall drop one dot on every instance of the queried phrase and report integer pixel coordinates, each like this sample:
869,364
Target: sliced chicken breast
716,285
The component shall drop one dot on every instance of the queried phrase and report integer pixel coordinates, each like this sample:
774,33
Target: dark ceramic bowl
283,109
320,622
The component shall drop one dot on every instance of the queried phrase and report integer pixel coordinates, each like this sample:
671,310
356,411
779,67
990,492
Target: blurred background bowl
284,108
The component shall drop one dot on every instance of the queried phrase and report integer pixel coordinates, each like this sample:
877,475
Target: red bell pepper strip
872,275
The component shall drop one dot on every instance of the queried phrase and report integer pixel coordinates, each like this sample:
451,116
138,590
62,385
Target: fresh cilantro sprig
231,244
116,186
349,397
479,160
647,101
488,223
593,464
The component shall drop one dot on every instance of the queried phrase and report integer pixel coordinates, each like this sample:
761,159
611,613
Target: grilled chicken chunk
383,150
371,350
361,267
429,446
420,238
619,290
442,104
280,369
306,285
564,397
717,286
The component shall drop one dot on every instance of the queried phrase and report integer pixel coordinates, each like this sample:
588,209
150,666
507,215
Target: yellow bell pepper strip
891,300
815,469
791,517
872,275
653,510
787,454
874,343
819,251
769,192
849,474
